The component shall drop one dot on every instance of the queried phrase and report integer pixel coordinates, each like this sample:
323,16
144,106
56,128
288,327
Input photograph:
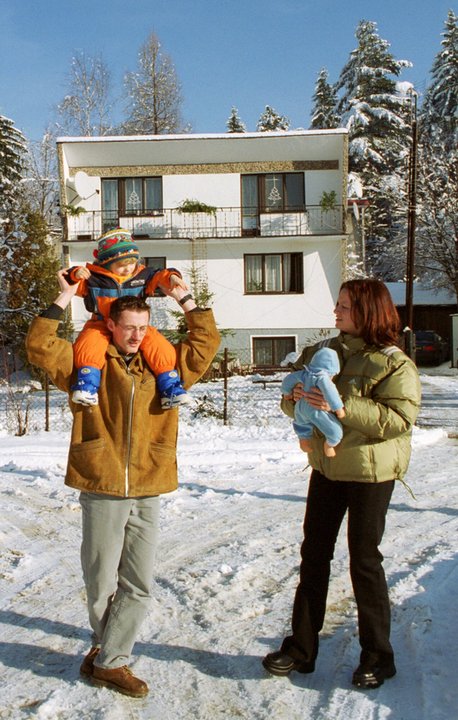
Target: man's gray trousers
117,557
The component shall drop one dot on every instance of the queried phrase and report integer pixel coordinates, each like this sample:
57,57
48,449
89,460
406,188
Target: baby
319,373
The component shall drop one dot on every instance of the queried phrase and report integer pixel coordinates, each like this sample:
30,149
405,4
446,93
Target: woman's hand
297,393
315,398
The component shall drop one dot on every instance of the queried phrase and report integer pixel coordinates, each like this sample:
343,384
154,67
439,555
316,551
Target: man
122,458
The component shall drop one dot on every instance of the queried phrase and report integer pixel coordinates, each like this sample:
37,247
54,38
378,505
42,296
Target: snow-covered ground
226,574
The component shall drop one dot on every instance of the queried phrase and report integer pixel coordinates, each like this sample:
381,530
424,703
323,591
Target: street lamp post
411,218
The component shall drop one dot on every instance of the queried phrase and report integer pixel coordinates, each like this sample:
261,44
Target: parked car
430,348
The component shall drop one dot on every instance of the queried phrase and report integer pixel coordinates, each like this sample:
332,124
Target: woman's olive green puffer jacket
381,392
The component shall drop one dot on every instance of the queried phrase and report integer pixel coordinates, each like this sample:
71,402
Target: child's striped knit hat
115,245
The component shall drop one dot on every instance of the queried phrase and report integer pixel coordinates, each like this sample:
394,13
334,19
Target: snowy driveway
226,574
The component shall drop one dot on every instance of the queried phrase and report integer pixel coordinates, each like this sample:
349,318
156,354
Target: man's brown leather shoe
121,679
87,666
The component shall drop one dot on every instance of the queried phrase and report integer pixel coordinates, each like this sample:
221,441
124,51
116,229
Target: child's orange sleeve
82,284
162,277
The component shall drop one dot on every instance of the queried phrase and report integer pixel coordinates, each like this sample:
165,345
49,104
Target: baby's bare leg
328,450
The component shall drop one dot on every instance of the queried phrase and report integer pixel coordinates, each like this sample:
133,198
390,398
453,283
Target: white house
272,251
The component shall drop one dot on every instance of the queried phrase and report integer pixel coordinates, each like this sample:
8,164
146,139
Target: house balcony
226,222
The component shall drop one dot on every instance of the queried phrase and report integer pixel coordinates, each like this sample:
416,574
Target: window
250,204
141,196
159,263
110,205
132,196
272,350
282,192
274,273
275,192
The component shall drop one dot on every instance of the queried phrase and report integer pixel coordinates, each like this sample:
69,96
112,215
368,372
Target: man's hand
178,290
82,273
67,291
177,281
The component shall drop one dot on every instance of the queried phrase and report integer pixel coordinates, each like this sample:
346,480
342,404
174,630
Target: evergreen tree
203,298
376,110
270,120
154,93
32,285
234,123
439,115
12,153
436,257
371,107
324,111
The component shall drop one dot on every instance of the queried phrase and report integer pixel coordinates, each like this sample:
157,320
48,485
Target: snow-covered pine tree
234,124
13,149
324,112
154,93
436,257
375,109
270,120
32,285
439,112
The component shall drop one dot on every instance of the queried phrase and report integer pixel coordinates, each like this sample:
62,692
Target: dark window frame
297,267
285,206
275,358
142,211
161,266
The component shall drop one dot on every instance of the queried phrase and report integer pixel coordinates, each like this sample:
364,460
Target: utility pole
411,218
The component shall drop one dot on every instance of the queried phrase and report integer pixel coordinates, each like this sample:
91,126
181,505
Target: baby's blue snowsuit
323,366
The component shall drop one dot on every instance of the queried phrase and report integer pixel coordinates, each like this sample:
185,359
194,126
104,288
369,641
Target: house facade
267,236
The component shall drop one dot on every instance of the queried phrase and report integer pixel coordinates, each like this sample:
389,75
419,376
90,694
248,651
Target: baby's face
123,267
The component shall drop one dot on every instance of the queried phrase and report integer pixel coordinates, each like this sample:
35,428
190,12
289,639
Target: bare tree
41,178
86,108
154,93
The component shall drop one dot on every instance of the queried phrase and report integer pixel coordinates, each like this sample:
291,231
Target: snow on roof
197,136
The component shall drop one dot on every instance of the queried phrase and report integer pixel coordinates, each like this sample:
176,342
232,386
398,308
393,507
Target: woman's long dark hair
373,311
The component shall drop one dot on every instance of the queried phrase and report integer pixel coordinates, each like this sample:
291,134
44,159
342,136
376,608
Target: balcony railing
224,223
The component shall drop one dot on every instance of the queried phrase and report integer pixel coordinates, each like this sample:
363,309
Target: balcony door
270,193
110,205
250,205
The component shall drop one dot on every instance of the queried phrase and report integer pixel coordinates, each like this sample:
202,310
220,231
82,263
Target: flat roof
126,150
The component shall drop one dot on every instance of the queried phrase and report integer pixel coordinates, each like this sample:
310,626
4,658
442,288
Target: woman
380,388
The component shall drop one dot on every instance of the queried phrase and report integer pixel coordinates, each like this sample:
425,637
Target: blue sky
247,53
